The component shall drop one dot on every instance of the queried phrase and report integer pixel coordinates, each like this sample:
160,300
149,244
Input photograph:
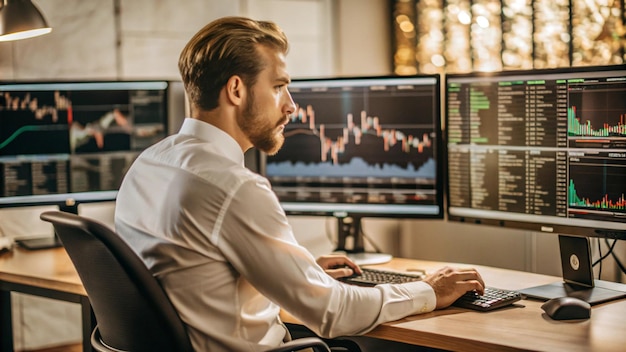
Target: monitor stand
70,206
577,276
350,226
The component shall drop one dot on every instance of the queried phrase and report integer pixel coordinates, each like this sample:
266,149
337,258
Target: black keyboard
493,298
373,277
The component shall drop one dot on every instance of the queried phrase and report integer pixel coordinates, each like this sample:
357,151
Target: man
213,232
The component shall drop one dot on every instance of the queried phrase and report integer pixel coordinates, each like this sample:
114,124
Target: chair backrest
132,311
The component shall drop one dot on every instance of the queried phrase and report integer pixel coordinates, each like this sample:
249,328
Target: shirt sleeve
258,241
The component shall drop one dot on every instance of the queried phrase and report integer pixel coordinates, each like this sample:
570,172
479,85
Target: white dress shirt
216,237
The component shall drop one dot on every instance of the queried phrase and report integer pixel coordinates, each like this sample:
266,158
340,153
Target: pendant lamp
21,19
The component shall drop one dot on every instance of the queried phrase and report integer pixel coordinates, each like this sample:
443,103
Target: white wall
363,31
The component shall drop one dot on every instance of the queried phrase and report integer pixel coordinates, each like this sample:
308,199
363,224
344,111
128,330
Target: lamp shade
21,19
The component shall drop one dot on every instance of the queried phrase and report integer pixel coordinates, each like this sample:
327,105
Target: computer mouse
567,308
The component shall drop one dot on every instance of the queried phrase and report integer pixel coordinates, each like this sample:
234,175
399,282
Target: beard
262,134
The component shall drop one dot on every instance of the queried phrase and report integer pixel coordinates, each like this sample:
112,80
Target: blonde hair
222,49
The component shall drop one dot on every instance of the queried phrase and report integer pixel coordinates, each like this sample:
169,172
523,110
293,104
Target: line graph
25,129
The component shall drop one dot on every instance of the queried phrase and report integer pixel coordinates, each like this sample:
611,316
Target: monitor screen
364,146
72,142
543,150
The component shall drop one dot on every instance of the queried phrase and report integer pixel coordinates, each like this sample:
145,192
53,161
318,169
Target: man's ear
235,90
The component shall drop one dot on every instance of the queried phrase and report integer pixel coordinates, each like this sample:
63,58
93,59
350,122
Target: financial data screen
546,147
58,139
362,145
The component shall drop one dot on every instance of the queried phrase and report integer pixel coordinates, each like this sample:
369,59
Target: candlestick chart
360,141
358,134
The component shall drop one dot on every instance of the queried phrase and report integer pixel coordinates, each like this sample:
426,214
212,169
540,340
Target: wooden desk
521,327
46,273
50,273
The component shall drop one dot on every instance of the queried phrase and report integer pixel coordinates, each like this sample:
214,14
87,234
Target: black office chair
132,311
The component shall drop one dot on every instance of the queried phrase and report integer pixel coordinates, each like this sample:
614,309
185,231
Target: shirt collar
222,141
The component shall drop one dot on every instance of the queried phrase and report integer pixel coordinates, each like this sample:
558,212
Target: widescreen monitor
361,147
66,143
543,150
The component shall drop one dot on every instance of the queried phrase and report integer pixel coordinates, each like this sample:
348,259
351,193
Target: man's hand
451,283
338,265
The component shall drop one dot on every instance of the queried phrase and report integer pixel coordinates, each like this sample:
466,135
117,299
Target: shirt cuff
426,300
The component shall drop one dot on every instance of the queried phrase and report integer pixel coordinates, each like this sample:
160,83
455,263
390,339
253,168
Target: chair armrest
298,344
97,344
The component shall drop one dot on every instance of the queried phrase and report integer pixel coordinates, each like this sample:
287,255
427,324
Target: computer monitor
65,143
542,150
361,147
